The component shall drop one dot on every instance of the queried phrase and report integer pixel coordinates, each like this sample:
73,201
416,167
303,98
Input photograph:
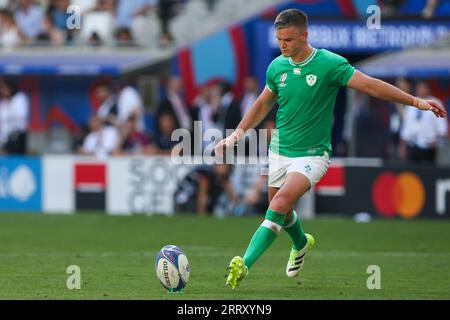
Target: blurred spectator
133,141
50,35
124,37
9,32
430,7
95,40
4,4
228,114
205,106
211,4
165,126
396,119
176,105
14,113
128,10
129,102
251,92
255,199
101,140
421,131
58,13
166,11
107,111
390,7
200,190
185,196
98,22
29,18
57,10
372,128
106,5
212,182
204,109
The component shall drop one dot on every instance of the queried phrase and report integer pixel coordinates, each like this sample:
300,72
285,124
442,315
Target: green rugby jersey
306,96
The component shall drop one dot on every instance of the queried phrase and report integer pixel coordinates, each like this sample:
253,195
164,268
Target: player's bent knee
281,203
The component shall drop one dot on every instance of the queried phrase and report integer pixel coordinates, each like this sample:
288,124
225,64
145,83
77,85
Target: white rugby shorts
314,168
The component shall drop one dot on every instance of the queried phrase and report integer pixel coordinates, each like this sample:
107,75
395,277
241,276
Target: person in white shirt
129,103
101,141
29,18
119,103
421,131
251,92
14,113
205,105
10,36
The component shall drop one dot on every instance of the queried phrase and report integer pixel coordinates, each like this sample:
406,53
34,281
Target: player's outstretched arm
383,90
257,112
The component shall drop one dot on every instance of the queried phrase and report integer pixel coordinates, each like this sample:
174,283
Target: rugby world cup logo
283,80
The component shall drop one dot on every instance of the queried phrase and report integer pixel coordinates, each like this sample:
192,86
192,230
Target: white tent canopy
429,62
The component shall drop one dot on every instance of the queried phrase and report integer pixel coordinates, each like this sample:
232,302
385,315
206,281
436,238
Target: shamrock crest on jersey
311,79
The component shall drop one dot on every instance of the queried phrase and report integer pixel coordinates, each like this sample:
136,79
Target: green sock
295,230
263,237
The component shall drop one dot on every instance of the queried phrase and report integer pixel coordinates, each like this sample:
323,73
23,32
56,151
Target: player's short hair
291,17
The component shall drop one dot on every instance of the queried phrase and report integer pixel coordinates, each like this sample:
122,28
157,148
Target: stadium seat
100,22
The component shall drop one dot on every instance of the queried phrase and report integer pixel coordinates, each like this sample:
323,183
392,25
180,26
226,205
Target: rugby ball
172,268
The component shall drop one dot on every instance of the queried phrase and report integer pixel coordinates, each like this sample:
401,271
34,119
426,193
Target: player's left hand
431,105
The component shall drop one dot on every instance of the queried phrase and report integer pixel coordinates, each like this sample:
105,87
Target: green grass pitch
117,257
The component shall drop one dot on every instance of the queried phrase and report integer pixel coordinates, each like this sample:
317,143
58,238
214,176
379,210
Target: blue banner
20,184
357,37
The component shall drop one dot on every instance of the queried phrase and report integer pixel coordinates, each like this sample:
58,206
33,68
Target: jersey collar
301,64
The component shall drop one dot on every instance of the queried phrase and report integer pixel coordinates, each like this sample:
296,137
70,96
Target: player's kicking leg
294,187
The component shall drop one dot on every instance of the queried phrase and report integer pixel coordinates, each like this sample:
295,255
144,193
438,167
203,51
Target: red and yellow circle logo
402,194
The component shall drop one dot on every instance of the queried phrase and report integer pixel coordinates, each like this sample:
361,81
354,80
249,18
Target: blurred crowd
399,133
118,125
107,22
111,22
390,8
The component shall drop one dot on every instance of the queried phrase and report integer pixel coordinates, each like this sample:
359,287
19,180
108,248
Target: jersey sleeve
342,71
270,79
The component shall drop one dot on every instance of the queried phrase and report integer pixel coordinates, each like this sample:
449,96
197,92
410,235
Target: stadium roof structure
80,61
427,62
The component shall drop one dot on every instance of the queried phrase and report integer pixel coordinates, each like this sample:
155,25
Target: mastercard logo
402,194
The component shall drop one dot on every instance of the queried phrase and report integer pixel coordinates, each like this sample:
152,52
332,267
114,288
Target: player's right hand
230,141
219,148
